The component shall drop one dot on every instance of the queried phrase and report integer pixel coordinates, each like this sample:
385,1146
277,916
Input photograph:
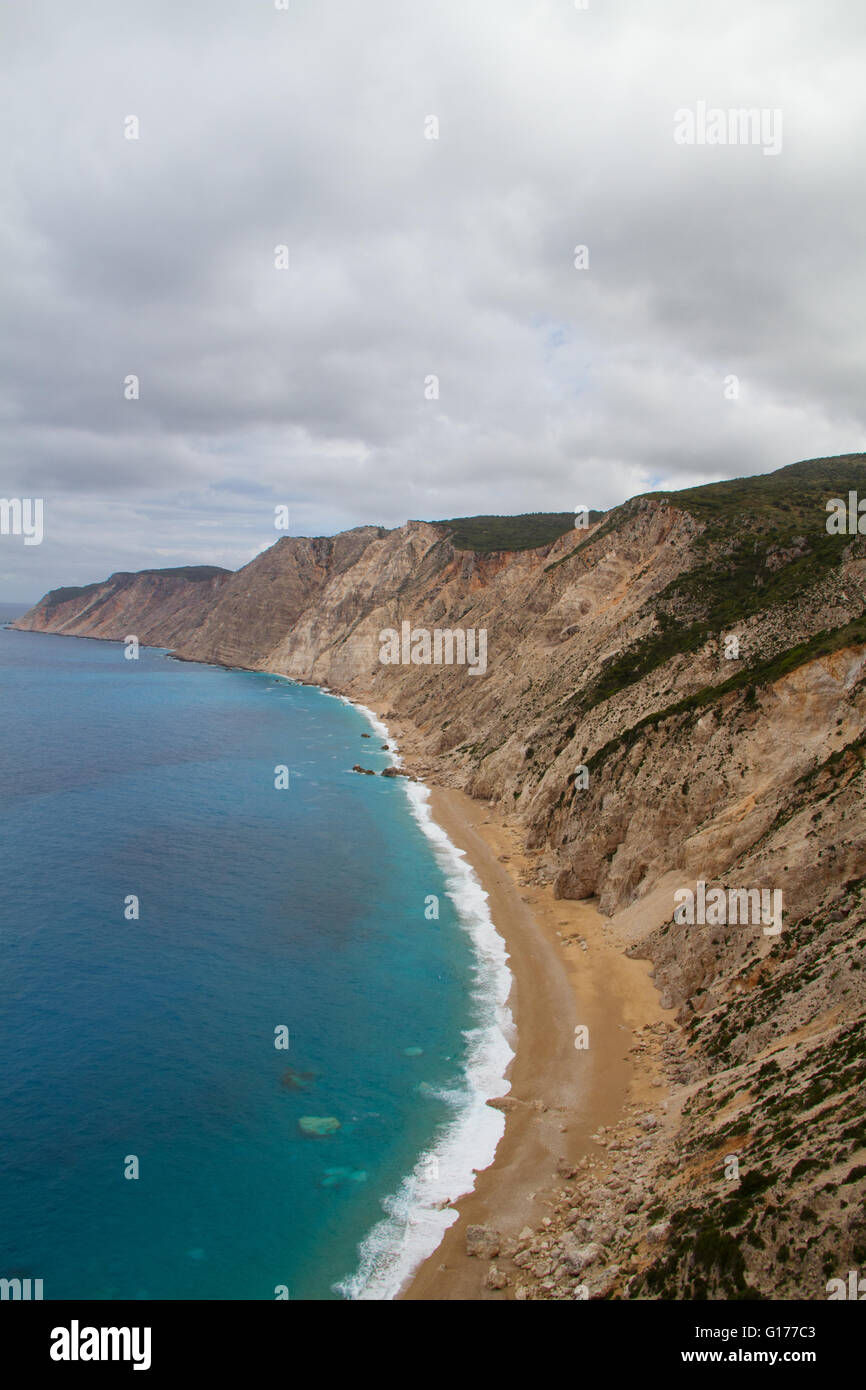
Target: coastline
559,1096
420,1211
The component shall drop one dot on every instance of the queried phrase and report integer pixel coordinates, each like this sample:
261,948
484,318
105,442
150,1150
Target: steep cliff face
676,694
270,596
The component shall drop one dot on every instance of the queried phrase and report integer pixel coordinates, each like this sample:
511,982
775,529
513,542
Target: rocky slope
676,694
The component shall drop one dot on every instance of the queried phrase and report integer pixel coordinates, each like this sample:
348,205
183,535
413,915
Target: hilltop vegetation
485,534
777,504
195,573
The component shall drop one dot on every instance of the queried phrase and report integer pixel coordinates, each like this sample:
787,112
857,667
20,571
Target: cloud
411,258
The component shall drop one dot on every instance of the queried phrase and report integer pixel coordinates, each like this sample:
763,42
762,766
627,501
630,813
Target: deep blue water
155,1037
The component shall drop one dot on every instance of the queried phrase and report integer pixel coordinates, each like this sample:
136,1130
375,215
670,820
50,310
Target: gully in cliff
444,646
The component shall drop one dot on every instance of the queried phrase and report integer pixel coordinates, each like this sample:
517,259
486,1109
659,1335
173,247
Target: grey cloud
411,257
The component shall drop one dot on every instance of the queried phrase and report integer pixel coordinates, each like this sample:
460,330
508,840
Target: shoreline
559,1096
445,1171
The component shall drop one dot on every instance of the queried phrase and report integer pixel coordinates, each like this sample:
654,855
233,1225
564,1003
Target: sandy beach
569,971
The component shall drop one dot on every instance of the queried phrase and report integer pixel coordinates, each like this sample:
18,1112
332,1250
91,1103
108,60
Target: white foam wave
417,1215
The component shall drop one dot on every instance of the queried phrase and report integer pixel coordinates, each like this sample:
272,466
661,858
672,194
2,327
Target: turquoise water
154,1038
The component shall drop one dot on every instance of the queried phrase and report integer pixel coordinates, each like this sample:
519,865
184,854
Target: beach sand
559,1095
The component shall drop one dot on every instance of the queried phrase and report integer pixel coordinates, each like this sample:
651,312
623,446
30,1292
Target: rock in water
318,1124
294,1080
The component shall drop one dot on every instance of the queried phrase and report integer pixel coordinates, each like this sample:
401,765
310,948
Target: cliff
674,694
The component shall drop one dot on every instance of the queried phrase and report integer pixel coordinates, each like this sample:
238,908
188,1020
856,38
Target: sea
252,1003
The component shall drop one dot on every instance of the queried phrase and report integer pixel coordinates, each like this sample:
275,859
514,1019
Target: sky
429,343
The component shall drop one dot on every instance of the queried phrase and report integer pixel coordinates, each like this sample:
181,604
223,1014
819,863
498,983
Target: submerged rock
333,1177
318,1124
294,1080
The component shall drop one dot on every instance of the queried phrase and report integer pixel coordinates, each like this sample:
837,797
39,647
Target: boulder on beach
577,1256
482,1241
318,1125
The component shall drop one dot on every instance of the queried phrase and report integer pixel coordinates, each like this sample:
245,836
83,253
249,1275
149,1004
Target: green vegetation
192,572
736,1209
776,507
702,1261
486,534
785,502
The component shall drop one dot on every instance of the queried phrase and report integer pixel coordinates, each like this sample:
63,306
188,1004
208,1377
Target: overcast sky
412,257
